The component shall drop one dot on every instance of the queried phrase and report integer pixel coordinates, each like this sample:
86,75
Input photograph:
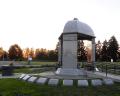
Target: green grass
14,87
38,62
113,68
33,70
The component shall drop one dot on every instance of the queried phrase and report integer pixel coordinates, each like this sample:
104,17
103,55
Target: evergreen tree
104,55
52,55
113,49
41,54
98,50
82,56
119,53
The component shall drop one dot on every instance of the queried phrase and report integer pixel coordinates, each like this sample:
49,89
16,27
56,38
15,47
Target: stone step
41,80
26,77
21,76
83,83
53,82
67,82
32,79
96,82
108,81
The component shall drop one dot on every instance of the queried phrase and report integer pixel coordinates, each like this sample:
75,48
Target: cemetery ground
16,87
40,66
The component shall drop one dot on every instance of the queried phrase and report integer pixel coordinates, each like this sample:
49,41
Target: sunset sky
38,23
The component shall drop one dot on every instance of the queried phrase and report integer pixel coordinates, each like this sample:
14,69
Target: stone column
59,53
93,52
69,59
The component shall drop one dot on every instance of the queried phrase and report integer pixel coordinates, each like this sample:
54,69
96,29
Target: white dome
77,26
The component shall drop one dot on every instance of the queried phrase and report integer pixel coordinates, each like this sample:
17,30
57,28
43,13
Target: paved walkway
115,77
112,76
51,74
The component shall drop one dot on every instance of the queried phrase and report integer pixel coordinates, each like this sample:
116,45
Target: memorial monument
73,31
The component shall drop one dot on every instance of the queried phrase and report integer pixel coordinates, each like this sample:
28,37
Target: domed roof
79,27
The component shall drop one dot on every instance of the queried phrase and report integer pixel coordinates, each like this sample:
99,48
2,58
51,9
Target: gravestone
32,79
21,76
96,82
41,80
82,83
26,77
108,81
67,82
53,82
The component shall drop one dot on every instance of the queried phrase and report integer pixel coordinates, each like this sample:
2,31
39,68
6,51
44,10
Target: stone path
114,77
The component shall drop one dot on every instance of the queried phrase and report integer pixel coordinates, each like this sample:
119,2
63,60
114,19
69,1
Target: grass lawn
37,62
33,70
14,87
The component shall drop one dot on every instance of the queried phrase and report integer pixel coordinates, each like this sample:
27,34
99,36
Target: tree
52,55
5,56
98,50
31,53
113,49
57,47
82,56
104,55
41,54
119,53
26,53
37,53
15,52
1,53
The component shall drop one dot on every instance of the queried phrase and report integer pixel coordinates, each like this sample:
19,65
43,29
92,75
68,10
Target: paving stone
26,77
21,76
41,80
82,83
67,82
32,79
96,82
53,82
108,81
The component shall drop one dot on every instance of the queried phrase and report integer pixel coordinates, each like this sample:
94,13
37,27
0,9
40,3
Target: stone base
68,71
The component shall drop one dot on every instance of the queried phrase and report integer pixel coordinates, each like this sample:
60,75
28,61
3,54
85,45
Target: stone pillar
93,52
69,56
59,53
69,59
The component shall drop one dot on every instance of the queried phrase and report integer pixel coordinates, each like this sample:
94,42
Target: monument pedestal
70,72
